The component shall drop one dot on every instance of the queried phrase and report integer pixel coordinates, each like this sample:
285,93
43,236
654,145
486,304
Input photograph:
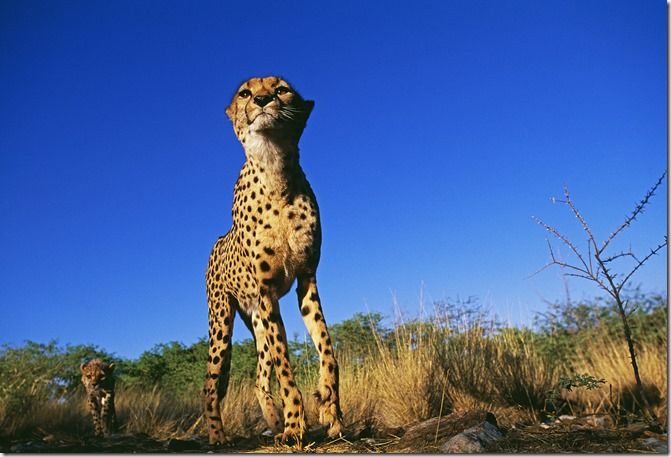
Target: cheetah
275,239
98,380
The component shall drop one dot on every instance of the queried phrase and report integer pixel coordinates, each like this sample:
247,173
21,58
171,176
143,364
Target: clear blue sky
440,128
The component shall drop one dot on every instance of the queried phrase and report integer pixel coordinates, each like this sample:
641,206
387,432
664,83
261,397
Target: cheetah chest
279,238
290,242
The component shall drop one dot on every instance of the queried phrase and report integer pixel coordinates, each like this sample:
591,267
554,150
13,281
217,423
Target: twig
640,264
639,207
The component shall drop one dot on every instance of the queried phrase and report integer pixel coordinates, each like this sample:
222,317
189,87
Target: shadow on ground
568,434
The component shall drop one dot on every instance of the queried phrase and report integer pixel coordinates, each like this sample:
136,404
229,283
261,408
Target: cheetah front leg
94,407
107,413
221,315
327,393
269,329
264,368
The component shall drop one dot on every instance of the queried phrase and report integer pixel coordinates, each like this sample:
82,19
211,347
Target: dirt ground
565,436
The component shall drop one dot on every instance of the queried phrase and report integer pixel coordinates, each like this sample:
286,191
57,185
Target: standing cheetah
98,380
275,238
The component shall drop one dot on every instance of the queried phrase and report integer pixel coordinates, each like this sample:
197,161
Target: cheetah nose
262,100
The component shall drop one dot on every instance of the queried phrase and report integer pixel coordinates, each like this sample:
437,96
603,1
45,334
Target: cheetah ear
81,367
309,104
110,368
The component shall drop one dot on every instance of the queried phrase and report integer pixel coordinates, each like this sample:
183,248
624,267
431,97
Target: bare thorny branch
599,272
632,217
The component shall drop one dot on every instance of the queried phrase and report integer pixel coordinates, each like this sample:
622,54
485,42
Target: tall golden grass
429,369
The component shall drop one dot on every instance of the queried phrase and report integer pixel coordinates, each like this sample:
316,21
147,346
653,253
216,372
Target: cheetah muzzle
275,239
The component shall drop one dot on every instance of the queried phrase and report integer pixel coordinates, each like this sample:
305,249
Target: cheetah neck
275,160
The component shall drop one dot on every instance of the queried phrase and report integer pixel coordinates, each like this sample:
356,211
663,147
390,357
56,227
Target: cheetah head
268,107
96,373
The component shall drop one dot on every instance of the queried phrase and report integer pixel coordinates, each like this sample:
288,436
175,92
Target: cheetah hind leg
222,315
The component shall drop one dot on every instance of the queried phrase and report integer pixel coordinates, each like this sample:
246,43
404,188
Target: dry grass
610,360
429,369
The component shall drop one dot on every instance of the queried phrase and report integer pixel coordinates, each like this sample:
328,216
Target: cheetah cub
98,380
275,239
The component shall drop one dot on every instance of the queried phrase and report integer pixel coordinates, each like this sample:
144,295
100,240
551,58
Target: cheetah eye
244,93
281,90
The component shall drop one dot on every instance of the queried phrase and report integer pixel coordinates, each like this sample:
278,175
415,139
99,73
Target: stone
656,445
473,440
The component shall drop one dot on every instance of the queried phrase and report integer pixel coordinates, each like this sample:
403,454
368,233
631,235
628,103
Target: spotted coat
275,240
98,380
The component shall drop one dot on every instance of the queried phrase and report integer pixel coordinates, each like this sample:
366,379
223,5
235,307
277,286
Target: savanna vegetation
573,360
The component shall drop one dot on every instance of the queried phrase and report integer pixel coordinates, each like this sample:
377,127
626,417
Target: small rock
49,439
656,445
473,440
545,426
598,421
636,427
566,417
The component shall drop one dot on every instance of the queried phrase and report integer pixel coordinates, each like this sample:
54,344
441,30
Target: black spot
268,206
297,401
314,297
216,360
269,251
265,266
219,334
305,310
286,392
226,338
317,317
290,215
